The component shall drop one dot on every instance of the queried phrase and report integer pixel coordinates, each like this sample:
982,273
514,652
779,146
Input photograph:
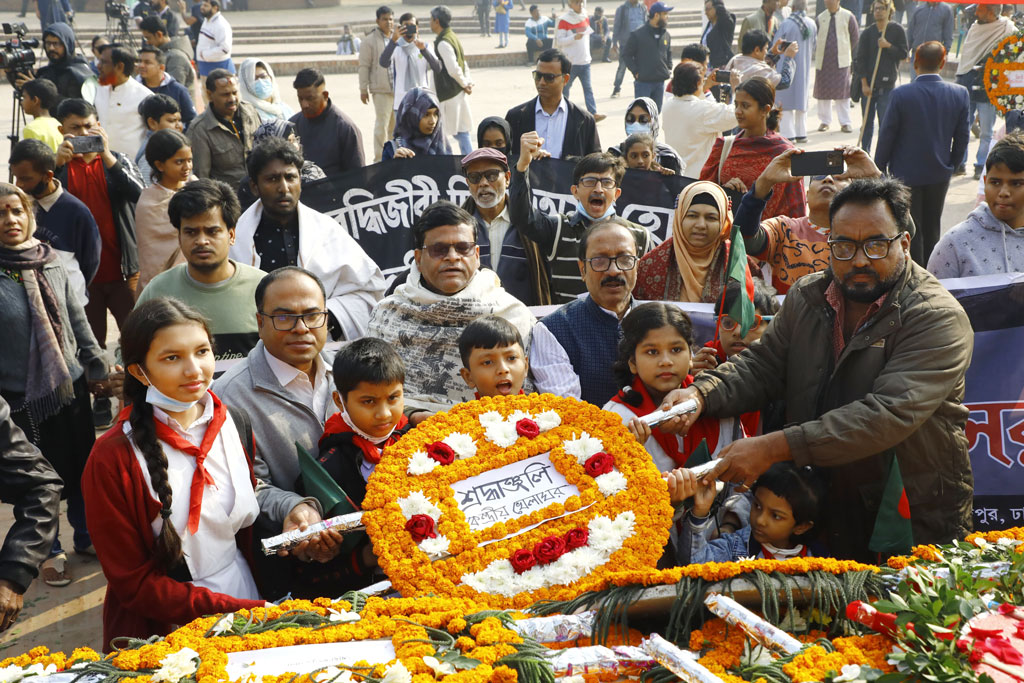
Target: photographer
691,121
68,71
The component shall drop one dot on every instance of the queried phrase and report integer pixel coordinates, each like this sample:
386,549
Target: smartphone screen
87,144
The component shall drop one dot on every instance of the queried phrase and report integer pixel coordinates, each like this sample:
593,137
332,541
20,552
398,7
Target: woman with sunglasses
418,128
690,265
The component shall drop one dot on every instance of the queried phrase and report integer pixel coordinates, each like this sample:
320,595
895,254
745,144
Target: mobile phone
87,144
723,75
784,44
410,31
817,163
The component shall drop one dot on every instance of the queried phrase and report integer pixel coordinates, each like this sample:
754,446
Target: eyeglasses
591,181
600,264
725,322
547,78
440,251
492,176
844,250
286,322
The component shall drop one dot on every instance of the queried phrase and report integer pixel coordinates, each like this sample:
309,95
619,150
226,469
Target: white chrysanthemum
503,434
333,673
585,559
440,668
397,673
39,670
12,673
549,419
177,665
582,447
223,624
435,546
491,417
417,504
462,444
421,463
343,616
611,483
850,672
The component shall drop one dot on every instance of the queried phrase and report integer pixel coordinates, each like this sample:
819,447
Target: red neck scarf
371,452
201,478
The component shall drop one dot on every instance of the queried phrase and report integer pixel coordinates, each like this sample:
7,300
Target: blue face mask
263,88
610,212
157,398
637,127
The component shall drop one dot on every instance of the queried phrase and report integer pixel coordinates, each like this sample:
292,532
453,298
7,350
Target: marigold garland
410,569
1007,57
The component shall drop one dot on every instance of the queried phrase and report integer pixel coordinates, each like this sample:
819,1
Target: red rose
441,452
522,560
576,538
599,463
528,428
421,527
549,550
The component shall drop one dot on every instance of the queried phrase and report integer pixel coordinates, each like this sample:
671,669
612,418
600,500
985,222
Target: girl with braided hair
169,489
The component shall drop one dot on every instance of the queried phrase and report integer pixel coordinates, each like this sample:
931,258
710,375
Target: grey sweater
279,420
981,245
81,352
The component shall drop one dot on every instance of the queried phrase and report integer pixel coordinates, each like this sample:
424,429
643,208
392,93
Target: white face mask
157,398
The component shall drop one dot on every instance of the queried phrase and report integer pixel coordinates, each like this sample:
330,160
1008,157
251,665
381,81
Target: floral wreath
1007,58
422,539
438,637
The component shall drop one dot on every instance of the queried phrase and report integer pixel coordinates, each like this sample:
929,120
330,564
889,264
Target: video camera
17,54
116,10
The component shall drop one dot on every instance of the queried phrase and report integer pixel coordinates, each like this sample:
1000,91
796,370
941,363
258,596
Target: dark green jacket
897,387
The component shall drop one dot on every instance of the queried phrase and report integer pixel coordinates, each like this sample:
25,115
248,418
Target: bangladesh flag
742,309
893,533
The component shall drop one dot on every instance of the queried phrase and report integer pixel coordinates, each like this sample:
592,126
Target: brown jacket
897,388
217,152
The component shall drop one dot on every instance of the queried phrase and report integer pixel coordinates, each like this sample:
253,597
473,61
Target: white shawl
981,39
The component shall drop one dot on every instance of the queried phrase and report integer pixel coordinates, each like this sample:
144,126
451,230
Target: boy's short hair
368,359
766,300
802,487
1009,152
487,332
44,91
753,40
156,106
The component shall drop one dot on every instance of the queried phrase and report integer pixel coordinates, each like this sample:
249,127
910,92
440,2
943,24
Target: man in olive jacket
870,357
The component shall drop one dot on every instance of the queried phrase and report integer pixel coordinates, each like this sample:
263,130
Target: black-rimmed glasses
286,322
600,264
844,250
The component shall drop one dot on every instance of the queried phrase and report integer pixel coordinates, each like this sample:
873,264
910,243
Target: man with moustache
597,180
574,348
648,54
516,259
65,69
222,135
869,357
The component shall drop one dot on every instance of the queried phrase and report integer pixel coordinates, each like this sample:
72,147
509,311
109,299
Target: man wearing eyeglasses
596,187
204,213
446,290
565,130
574,348
279,230
870,357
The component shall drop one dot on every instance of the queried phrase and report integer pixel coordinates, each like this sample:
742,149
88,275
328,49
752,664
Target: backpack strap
244,427
726,148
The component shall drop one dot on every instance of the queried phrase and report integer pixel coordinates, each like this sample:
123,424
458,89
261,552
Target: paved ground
63,618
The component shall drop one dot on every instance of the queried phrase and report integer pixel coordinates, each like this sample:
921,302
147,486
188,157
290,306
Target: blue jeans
582,72
76,515
879,103
653,89
620,73
987,119
465,144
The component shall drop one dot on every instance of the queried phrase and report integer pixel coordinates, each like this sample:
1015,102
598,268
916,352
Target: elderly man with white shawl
446,289
982,38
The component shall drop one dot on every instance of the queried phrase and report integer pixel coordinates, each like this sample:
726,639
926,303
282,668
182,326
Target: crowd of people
250,323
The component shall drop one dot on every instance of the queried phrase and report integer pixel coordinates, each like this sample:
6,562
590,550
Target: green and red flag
893,533
742,309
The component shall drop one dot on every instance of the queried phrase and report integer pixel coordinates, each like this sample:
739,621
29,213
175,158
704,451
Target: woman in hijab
417,127
278,128
642,116
690,265
494,132
51,361
258,87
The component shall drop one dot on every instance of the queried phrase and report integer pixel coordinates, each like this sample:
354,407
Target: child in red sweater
169,490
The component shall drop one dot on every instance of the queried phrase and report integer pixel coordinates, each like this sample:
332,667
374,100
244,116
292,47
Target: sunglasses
492,176
547,78
727,323
440,250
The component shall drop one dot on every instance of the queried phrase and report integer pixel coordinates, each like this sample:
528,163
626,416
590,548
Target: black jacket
72,71
124,185
888,64
720,39
28,482
580,129
648,54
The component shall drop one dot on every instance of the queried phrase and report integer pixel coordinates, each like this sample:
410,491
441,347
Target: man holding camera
68,71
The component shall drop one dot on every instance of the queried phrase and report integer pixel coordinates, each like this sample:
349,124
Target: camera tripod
17,121
118,31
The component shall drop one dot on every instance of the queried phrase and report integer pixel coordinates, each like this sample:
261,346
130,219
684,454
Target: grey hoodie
981,245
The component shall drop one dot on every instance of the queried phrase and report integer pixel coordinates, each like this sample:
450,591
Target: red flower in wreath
549,549
598,464
522,560
421,527
576,538
528,428
441,452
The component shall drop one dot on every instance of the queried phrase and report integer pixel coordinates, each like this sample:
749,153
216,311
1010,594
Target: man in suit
925,155
567,130
762,19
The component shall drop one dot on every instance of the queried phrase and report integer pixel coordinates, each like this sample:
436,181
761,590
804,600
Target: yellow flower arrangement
1014,534
411,570
1003,83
